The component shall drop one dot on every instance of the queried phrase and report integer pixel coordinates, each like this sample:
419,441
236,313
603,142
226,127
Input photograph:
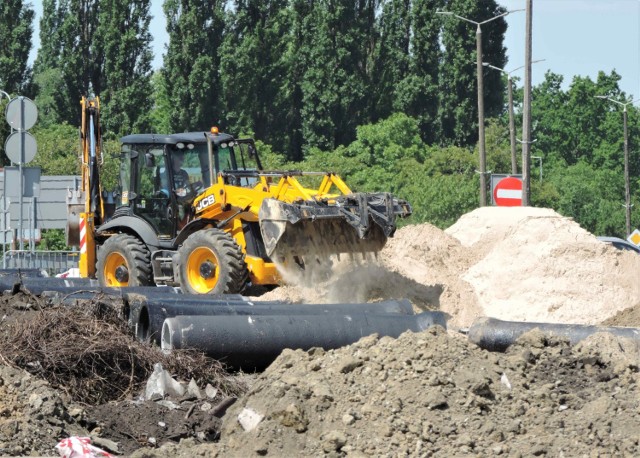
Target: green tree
161,111
16,19
58,149
336,54
407,63
125,78
254,68
15,35
458,80
81,58
95,48
47,73
393,46
593,197
192,61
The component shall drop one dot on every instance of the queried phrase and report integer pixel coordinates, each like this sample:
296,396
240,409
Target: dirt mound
87,356
429,256
33,416
627,317
432,394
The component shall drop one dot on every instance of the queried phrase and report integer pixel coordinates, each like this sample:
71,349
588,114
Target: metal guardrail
53,262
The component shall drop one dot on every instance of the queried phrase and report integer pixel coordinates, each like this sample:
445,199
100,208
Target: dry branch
87,351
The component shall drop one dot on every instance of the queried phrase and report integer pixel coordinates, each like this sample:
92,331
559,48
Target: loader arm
85,208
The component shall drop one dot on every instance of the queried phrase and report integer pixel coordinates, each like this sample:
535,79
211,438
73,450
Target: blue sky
575,37
578,37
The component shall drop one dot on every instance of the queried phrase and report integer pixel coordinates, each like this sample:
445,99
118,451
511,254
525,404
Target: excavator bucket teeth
354,223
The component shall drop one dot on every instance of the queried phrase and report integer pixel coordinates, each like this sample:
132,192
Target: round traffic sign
508,192
21,113
13,147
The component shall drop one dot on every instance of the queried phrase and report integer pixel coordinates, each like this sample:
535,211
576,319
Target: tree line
382,91
296,73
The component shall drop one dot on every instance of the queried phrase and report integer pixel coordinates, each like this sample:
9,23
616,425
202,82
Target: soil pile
33,416
432,394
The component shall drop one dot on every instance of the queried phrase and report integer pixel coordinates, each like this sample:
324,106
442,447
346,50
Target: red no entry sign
508,192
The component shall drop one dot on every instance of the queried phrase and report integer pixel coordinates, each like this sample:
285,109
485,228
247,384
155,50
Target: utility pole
512,127
481,142
627,186
526,108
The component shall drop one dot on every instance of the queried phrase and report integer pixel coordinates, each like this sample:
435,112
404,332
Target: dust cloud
523,263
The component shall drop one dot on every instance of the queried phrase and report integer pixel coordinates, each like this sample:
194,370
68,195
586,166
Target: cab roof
164,139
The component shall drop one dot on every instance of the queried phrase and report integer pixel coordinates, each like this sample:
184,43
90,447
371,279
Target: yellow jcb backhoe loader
196,210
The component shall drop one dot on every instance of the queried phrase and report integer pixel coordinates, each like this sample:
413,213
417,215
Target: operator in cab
181,184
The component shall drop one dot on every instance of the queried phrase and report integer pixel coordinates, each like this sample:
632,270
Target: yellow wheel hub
116,270
202,270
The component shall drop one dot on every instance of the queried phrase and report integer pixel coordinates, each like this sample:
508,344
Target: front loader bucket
355,223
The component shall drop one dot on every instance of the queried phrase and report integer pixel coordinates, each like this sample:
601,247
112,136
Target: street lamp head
448,13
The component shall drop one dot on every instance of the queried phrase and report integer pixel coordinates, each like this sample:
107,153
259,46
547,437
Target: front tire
211,262
123,260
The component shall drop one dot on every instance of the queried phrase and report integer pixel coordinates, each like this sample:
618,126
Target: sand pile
536,265
527,264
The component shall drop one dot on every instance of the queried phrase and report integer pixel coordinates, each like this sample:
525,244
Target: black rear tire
123,260
211,262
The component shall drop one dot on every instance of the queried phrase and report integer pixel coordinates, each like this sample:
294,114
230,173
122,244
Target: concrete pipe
497,335
253,342
147,317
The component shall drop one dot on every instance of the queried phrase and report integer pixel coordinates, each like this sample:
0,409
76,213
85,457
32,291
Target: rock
249,419
105,444
348,364
333,441
348,419
206,406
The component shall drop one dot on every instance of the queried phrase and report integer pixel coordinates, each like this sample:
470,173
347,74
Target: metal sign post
21,146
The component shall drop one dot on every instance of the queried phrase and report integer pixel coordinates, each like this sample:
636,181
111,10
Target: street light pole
481,142
627,186
512,126
526,110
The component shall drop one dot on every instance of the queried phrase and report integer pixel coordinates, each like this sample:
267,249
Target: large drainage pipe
146,318
253,342
497,335
37,285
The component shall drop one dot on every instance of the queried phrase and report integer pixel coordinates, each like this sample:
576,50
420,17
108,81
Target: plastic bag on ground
80,447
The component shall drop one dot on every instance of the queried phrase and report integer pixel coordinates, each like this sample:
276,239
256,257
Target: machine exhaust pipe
497,335
253,342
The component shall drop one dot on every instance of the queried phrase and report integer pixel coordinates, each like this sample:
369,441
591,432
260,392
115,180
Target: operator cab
161,175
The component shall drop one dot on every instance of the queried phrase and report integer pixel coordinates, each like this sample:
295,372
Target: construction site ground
74,370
